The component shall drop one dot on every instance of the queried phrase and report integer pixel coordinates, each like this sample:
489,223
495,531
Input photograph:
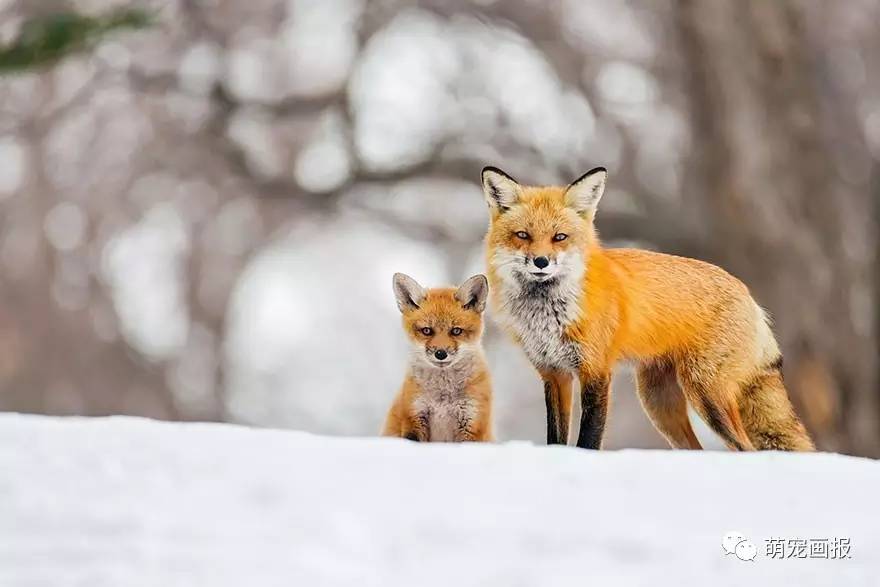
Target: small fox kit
447,395
694,331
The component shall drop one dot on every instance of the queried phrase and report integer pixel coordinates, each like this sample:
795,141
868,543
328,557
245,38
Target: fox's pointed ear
472,293
408,292
500,190
584,193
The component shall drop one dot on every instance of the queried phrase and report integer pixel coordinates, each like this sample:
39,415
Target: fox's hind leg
664,403
715,400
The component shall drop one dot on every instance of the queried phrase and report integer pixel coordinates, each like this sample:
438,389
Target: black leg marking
594,411
776,364
552,414
412,436
716,421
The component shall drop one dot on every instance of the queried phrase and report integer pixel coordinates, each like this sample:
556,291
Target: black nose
440,354
541,262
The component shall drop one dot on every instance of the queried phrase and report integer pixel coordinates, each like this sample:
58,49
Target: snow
14,168
325,164
321,43
133,502
424,80
143,266
200,68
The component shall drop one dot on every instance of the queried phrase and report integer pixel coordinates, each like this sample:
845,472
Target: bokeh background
200,220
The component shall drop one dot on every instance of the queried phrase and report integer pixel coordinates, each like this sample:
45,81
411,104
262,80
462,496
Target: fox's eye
522,234
560,236
455,331
427,331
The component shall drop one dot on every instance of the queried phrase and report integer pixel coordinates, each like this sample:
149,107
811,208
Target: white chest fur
538,314
442,403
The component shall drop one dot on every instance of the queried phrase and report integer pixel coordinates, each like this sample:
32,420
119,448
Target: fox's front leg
595,390
557,396
473,430
416,428
394,420
476,433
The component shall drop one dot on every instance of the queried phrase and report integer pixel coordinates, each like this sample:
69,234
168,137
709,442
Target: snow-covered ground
130,502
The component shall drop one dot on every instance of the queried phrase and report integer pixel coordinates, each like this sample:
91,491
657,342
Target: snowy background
200,221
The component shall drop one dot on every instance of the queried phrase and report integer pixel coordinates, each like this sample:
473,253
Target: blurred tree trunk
780,213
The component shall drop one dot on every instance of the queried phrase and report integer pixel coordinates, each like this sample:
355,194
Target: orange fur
694,330
447,401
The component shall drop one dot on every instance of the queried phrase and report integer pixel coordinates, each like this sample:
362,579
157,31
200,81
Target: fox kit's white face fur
538,241
443,325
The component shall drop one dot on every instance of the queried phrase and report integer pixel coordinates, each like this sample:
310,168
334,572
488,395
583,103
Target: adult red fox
576,308
447,394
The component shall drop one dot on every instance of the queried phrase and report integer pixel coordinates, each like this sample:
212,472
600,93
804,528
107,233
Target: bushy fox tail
768,416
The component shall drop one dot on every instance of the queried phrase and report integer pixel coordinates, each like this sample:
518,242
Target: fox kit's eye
522,234
427,331
455,331
560,236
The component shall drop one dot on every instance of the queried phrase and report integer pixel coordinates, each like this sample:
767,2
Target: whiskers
509,264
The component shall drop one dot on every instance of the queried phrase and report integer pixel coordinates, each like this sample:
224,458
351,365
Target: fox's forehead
543,196
440,306
541,209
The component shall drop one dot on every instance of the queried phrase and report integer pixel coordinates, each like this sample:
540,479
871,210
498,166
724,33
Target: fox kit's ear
584,193
472,293
501,190
408,292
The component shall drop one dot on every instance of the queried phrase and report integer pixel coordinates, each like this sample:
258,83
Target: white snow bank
133,502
